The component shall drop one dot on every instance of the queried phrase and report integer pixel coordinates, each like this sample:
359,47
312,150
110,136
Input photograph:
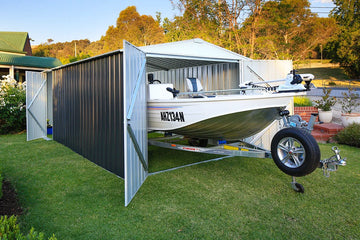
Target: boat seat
194,85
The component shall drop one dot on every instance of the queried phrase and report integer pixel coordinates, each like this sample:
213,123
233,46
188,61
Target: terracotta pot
325,116
349,118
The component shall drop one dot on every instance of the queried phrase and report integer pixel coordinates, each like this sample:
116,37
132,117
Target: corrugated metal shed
255,70
88,109
99,104
135,120
217,68
188,53
36,105
193,48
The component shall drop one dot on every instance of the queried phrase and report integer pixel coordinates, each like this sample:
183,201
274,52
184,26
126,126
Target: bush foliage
1,180
326,102
12,106
349,135
10,230
302,102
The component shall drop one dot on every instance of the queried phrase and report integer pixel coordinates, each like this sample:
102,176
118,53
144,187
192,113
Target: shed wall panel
266,69
36,110
212,77
88,110
135,121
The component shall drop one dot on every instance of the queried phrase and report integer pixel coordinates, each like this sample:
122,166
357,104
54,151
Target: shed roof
13,41
193,52
28,61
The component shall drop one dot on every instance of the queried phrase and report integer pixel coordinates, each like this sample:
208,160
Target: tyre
295,151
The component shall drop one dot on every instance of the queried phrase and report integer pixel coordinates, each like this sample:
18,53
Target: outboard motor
296,77
292,83
307,79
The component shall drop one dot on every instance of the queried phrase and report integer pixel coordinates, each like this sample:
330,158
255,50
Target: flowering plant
12,106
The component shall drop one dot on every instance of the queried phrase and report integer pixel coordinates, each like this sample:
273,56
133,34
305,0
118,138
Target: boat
230,117
226,114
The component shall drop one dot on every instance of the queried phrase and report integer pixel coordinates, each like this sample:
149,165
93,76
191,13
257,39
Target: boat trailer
293,149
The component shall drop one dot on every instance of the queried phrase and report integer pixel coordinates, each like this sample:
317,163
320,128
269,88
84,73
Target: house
16,56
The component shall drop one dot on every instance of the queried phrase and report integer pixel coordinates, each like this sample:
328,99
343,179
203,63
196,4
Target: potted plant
324,105
348,104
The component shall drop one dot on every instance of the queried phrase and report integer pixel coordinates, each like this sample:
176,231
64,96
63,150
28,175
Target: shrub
332,83
1,180
349,135
12,106
302,102
10,230
350,100
326,101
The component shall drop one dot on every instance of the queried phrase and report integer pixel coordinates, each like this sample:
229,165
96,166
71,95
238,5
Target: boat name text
172,116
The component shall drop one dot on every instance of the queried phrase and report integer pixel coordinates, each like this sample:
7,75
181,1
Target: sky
67,20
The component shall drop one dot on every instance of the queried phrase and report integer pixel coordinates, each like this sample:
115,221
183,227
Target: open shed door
135,120
36,105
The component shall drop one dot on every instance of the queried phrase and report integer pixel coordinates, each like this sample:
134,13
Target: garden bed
9,204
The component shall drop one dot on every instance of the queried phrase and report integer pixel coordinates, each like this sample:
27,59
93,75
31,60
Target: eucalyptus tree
347,44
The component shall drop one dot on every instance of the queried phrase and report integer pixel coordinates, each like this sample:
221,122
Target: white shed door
135,120
36,109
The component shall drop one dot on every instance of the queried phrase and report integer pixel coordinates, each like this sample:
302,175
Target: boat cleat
331,164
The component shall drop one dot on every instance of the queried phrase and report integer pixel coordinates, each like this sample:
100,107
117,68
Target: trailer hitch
328,165
331,164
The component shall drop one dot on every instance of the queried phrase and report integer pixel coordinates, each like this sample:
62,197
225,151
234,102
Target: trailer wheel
295,151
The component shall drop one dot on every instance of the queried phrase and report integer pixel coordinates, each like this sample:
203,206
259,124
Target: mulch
9,204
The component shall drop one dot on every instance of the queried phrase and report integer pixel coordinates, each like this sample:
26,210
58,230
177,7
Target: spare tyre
295,151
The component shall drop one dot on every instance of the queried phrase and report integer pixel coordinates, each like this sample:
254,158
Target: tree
255,11
62,51
284,29
199,20
138,29
233,38
347,44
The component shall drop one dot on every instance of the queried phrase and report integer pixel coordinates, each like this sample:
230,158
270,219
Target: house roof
13,41
28,61
193,52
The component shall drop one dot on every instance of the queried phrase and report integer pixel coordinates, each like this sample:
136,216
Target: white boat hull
220,117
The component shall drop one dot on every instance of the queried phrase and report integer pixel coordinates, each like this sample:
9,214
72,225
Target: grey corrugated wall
88,109
212,77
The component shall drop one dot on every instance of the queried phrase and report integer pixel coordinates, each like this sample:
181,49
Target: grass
237,198
326,74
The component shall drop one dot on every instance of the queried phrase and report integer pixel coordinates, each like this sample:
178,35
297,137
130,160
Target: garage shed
98,107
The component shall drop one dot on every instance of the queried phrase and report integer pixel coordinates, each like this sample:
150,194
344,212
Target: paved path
336,92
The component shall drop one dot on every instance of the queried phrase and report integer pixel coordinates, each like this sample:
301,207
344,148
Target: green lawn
237,198
326,74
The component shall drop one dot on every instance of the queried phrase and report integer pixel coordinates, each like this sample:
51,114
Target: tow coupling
328,165
331,164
